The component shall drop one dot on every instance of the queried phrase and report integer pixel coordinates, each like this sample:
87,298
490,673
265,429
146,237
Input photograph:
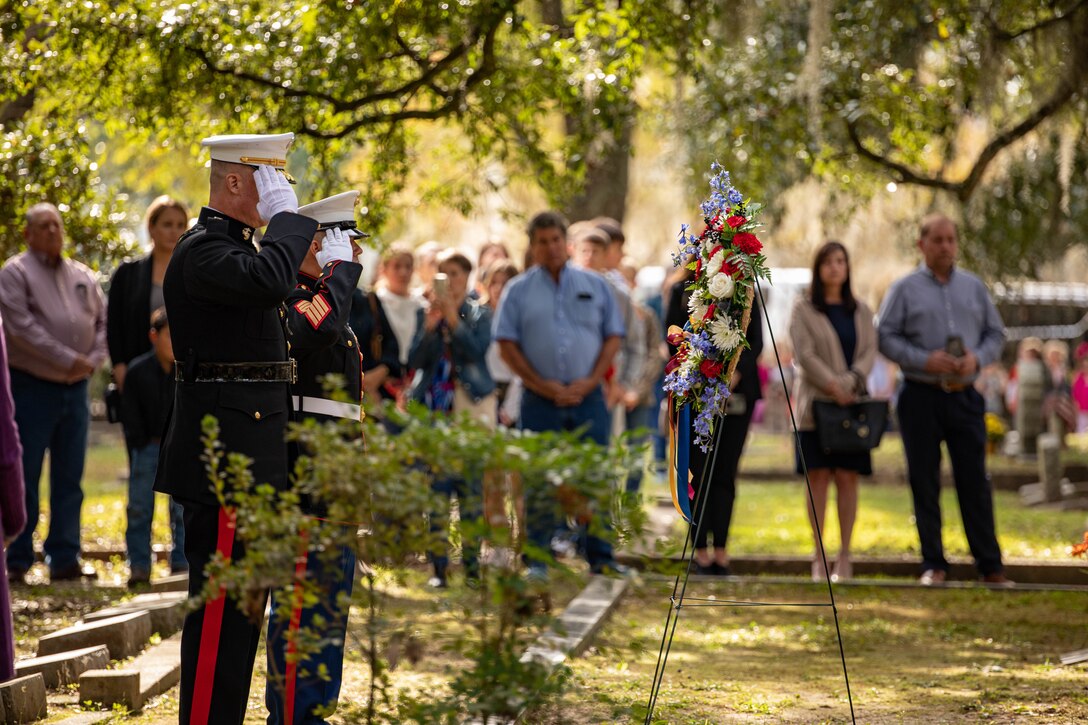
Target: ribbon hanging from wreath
726,258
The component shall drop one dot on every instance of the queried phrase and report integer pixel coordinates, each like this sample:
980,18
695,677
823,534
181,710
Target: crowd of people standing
568,342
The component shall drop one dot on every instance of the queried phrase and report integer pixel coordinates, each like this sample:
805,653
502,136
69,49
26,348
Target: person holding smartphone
449,355
941,326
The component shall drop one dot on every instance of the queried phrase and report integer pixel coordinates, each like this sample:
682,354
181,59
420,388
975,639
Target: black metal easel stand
679,589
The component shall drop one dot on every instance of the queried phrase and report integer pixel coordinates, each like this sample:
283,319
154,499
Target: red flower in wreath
710,312
735,221
747,243
710,368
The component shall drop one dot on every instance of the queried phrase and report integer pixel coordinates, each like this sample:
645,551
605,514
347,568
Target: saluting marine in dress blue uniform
322,343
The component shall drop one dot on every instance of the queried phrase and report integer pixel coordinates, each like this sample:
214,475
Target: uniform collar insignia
235,229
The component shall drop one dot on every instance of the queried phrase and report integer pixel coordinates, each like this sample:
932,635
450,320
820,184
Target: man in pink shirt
54,321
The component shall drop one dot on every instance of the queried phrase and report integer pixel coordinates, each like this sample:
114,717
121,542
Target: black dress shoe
721,569
708,570
79,570
139,578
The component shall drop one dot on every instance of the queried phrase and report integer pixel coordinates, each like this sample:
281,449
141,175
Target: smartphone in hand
441,284
954,346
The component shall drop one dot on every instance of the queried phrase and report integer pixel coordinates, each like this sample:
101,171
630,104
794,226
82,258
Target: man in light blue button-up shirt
940,325
558,328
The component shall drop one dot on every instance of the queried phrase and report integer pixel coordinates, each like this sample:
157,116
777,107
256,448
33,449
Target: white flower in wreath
696,306
721,286
725,335
714,266
689,366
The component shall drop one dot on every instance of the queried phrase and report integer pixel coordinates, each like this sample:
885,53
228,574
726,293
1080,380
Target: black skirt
815,457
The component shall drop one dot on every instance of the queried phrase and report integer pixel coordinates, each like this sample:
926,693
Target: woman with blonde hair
136,287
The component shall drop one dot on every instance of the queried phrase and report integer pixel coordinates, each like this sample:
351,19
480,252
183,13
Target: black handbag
853,428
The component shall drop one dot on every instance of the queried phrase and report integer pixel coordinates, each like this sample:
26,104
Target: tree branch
1005,35
287,91
426,79
963,190
453,102
903,174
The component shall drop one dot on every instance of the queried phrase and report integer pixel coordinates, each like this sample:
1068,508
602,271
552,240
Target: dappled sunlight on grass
914,655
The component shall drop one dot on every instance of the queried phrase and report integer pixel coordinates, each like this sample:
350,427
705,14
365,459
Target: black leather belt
255,372
945,385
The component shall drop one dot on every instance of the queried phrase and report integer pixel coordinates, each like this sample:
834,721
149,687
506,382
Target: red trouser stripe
210,630
292,632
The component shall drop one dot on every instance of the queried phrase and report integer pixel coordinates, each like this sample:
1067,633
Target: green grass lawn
774,452
914,655
771,518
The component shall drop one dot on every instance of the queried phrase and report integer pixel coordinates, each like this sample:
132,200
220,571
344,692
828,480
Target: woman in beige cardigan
834,344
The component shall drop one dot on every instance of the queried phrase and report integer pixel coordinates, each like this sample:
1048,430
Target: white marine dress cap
335,211
253,149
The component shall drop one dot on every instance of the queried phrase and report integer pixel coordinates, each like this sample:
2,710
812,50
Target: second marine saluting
323,344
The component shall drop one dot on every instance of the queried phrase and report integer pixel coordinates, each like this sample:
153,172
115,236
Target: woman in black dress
834,344
722,481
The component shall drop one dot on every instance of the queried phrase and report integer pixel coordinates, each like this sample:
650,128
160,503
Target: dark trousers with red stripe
218,642
301,691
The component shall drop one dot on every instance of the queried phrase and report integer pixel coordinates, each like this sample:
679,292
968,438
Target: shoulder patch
315,311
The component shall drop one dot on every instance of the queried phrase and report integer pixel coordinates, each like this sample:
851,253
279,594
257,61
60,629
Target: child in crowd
149,388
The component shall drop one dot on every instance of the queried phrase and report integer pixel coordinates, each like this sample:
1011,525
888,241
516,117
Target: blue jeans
326,618
53,417
142,465
539,414
644,416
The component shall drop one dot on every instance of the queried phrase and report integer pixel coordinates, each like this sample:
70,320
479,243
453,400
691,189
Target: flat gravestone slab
160,668
1075,657
86,718
124,636
149,675
175,583
167,610
65,668
575,627
111,687
23,699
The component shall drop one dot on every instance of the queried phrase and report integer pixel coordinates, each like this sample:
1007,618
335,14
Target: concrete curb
884,583
962,569
571,632
149,675
125,635
167,610
64,668
579,622
23,699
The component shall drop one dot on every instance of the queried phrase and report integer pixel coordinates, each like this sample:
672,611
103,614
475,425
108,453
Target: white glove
274,192
335,248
